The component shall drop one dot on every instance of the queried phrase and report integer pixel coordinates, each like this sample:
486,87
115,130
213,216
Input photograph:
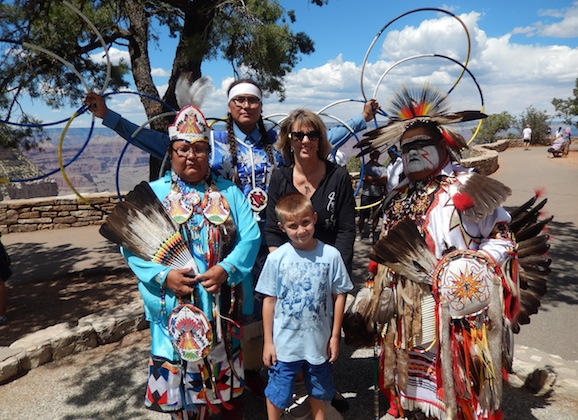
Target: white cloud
115,55
159,72
563,24
512,76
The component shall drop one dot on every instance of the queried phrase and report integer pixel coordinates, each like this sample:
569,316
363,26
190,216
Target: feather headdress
194,93
141,225
425,105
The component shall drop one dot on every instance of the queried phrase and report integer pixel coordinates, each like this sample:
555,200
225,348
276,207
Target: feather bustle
534,266
527,217
537,245
404,250
487,194
533,229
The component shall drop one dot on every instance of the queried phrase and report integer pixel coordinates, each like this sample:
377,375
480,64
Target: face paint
422,152
423,159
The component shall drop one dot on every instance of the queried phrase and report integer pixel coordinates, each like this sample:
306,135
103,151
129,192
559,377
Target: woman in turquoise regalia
224,239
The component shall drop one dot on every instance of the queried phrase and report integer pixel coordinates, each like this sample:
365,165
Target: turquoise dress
238,264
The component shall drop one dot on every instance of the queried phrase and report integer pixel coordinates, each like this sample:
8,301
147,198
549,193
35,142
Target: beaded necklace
186,207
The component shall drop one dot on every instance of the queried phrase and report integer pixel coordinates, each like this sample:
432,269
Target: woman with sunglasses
303,142
244,152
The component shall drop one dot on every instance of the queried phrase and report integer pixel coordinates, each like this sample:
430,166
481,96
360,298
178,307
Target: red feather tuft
539,192
449,140
372,266
462,201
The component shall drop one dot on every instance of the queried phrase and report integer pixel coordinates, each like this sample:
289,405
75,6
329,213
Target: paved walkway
61,252
51,254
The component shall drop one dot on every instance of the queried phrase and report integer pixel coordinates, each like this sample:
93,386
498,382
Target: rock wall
28,215
487,162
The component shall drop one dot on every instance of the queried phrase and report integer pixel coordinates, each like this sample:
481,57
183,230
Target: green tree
539,122
353,164
254,36
567,109
492,125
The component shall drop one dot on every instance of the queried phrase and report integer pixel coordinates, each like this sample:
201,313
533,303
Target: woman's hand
179,283
212,279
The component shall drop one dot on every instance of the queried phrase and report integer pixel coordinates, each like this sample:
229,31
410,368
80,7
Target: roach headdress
421,106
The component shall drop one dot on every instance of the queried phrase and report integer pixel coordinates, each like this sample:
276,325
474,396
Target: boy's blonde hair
292,204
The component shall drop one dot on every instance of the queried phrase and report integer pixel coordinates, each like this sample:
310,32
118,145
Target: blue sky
523,53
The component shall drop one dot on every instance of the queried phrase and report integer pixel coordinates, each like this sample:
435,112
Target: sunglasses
418,144
314,135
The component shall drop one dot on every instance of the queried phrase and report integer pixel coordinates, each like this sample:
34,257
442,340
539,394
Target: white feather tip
188,93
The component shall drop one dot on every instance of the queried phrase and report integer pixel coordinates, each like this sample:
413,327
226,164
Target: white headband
244,89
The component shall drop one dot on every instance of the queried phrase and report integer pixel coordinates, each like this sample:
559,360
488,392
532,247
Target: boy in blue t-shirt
305,282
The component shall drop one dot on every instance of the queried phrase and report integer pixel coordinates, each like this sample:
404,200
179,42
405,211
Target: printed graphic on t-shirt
304,296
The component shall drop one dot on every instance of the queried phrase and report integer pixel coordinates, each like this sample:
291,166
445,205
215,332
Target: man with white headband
244,160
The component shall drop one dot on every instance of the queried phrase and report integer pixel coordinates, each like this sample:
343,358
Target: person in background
394,169
224,238
304,282
374,182
527,136
557,145
567,141
338,157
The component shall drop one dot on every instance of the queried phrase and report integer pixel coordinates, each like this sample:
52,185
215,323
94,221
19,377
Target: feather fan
534,266
404,250
141,225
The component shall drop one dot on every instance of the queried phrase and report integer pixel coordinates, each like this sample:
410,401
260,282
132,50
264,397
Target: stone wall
487,162
45,213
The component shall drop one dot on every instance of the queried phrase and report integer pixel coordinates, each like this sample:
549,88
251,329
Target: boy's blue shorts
281,385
